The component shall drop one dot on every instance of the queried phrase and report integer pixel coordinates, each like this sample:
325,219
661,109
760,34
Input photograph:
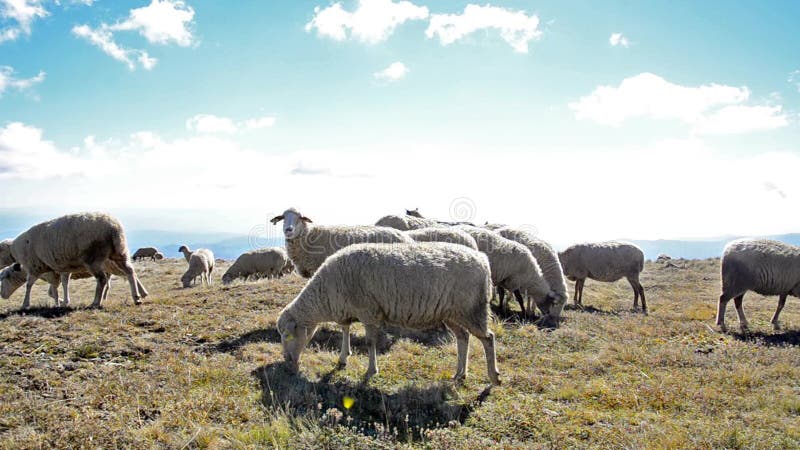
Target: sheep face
294,223
11,278
227,279
293,339
551,306
186,279
183,249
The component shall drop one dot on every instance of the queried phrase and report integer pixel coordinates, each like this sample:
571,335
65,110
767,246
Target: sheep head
294,338
11,278
294,223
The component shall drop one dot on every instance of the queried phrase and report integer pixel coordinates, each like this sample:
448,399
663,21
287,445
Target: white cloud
103,39
209,123
394,72
794,79
516,27
22,13
618,39
8,81
161,22
372,21
710,109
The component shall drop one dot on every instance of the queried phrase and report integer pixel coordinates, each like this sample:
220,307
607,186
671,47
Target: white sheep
75,243
13,277
545,256
763,266
514,268
604,261
405,223
261,263
146,252
416,286
201,264
451,235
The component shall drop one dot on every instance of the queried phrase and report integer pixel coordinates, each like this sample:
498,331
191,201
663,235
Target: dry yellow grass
201,368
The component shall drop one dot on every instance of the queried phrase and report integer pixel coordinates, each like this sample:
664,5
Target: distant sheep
261,263
763,266
663,258
416,286
201,264
76,243
158,256
515,269
604,261
405,223
451,235
146,252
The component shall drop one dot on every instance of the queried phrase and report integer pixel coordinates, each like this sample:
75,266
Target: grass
201,368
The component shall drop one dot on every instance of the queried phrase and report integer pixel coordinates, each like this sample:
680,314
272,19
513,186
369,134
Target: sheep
75,243
416,286
763,266
545,256
201,264
158,256
663,258
309,245
405,223
5,253
265,262
146,252
604,261
451,235
13,277
514,268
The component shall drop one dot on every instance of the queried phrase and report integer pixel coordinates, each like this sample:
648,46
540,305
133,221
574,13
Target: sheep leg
521,301
781,301
635,286
582,281
462,344
102,282
26,303
53,292
108,288
575,294
491,359
65,285
644,302
136,293
721,306
372,334
345,351
502,294
737,301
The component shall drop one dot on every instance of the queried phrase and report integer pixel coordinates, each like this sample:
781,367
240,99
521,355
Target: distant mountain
699,249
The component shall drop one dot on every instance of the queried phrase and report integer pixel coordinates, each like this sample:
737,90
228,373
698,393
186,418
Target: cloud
8,81
103,39
161,22
394,72
516,27
209,123
618,39
772,187
372,21
794,79
22,13
709,109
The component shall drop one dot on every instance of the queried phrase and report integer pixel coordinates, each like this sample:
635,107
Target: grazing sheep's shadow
44,312
777,339
590,310
406,412
330,340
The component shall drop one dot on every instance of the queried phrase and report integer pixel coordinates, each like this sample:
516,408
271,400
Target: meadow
202,368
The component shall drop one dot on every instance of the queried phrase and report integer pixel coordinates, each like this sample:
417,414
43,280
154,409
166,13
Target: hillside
201,368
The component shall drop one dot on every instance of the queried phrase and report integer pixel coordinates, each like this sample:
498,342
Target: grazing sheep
405,223
201,264
604,261
158,256
146,252
416,286
76,243
451,235
545,256
514,268
13,277
187,252
309,245
5,253
261,263
763,266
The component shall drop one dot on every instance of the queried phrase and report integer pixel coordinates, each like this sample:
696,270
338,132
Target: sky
582,120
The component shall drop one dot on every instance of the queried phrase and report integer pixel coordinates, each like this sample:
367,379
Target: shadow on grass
41,311
331,341
404,414
777,339
590,310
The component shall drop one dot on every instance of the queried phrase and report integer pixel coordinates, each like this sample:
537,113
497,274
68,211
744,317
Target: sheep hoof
341,364
776,326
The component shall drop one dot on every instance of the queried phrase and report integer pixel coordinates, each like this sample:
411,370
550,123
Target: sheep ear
306,219
276,219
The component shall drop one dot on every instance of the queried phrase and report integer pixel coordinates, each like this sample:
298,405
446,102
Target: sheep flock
405,271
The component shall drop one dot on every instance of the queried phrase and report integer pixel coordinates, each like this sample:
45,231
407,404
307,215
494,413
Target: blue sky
584,119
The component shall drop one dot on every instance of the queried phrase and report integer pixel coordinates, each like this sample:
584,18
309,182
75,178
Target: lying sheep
405,223
763,266
416,286
13,277
201,264
309,245
514,268
5,253
545,256
146,252
261,263
76,243
451,235
604,261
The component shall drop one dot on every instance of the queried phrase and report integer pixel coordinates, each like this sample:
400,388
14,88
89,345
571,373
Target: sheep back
451,235
265,262
602,261
405,223
764,266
